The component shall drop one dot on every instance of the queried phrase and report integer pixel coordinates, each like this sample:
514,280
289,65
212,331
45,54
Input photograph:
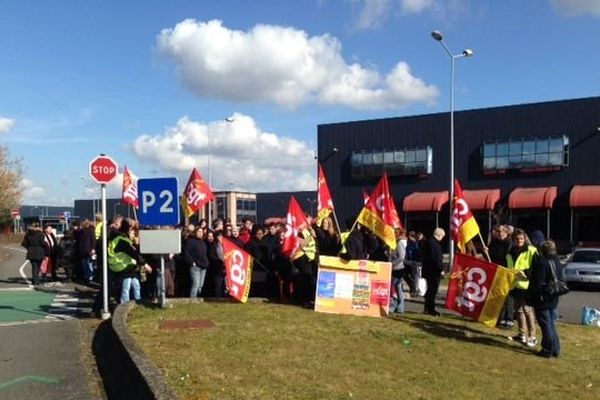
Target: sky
165,86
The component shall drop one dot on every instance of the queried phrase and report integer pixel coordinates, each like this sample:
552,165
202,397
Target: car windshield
586,256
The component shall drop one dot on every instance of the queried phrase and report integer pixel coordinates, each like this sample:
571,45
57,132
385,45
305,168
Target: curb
150,383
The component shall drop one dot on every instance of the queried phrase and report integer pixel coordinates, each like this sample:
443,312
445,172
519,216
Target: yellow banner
373,222
352,265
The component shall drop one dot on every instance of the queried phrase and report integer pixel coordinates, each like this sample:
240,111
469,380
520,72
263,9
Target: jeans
197,274
35,271
550,341
397,283
88,268
126,285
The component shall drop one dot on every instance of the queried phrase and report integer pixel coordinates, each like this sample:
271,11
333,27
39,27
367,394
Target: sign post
158,206
103,170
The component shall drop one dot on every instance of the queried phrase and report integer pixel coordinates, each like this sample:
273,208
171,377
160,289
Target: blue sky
149,82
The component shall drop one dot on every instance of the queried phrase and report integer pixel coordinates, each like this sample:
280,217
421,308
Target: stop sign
103,169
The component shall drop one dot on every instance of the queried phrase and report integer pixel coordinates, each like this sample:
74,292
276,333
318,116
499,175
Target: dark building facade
534,166
275,204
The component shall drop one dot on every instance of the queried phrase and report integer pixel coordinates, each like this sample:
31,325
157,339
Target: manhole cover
186,324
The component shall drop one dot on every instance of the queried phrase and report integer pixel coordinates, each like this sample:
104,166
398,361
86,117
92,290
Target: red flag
196,194
380,215
464,226
238,270
129,193
325,204
295,223
477,288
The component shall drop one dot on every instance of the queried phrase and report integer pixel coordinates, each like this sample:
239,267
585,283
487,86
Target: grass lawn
269,351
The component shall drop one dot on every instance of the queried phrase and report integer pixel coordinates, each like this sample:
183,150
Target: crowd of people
200,268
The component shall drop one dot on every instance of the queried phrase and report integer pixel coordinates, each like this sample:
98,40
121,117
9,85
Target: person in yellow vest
98,226
305,262
125,261
520,258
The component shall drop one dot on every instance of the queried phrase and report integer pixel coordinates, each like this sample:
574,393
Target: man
51,247
433,269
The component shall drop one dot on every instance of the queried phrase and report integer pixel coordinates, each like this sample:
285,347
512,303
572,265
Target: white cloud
577,7
415,6
373,13
31,192
241,153
6,124
278,64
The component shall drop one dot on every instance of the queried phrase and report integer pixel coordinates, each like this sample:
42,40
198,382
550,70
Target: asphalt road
40,353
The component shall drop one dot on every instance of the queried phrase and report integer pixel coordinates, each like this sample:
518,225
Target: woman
543,272
521,257
216,268
34,243
328,240
195,256
398,268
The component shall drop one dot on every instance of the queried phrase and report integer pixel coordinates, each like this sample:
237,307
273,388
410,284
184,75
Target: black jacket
328,245
355,247
195,252
539,275
34,243
498,250
432,259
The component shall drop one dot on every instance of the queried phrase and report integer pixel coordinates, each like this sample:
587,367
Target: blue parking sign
158,201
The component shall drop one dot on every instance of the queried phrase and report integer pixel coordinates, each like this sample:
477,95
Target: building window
527,154
396,162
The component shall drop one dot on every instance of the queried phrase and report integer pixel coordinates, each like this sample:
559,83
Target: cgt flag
464,226
129,194
380,215
325,203
238,270
294,224
477,288
196,194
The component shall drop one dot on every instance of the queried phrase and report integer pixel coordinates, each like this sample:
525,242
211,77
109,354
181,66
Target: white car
584,267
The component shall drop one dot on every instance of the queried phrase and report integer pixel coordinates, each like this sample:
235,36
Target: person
433,268
126,262
397,259
353,242
520,258
215,273
195,255
67,254
87,250
328,240
34,243
541,273
412,263
305,262
51,247
498,248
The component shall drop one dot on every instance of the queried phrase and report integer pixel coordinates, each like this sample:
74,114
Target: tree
11,189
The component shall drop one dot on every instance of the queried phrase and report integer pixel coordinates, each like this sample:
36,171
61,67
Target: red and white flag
196,194
238,270
130,193
380,215
294,224
325,203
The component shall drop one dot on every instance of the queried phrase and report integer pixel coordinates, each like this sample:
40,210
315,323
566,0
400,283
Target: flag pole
336,221
485,250
134,213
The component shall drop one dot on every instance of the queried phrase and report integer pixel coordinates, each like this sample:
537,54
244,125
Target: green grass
267,351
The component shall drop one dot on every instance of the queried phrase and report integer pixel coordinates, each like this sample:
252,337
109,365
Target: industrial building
533,166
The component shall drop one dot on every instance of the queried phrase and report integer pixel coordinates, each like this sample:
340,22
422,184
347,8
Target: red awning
585,196
541,197
482,199
425,201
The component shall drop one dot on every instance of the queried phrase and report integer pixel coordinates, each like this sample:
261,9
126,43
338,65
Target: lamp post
437,35
226,120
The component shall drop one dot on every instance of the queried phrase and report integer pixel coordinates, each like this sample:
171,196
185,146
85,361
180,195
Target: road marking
16,289
38,378
22,273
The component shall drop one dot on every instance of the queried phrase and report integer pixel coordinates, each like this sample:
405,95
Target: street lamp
226,120
437,35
